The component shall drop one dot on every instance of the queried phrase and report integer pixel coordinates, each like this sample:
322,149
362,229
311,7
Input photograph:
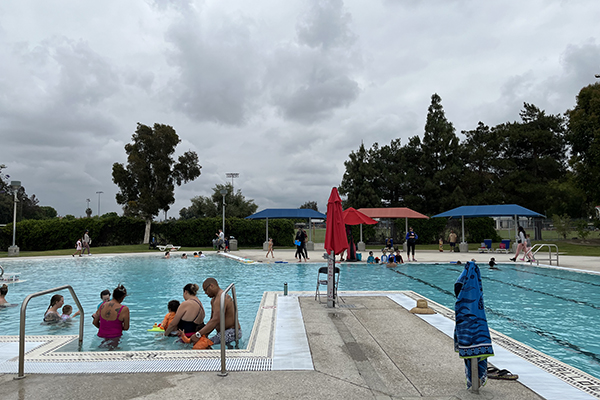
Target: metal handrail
539,246
222,327
22,324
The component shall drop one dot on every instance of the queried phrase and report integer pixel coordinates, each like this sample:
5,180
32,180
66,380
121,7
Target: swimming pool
554,311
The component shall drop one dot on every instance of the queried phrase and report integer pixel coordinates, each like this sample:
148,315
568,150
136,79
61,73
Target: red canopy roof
393,212
355,217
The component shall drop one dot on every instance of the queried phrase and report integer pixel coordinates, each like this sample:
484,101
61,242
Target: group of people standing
300,242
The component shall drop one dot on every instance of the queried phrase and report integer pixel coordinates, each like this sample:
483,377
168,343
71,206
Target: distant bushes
201,231
40,235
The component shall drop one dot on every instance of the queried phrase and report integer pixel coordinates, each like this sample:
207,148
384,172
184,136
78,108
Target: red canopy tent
393,212
355,217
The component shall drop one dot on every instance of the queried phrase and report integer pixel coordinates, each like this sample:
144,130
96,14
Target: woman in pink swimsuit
113,318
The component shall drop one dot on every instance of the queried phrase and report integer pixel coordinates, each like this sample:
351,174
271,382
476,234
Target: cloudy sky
279,91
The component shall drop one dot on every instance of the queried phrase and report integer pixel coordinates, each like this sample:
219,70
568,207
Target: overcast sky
279,91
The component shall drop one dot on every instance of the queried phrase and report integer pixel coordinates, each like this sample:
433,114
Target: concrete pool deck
370,347
587,263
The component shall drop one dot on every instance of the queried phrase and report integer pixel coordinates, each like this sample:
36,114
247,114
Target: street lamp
223,192
99,193
232,175
14,249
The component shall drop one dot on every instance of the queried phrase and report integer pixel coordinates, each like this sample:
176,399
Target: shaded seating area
322,281
498,210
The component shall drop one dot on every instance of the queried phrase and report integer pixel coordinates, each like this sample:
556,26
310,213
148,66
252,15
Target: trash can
233,246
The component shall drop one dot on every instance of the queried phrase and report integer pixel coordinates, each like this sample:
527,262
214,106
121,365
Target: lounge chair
168,247
504,246
486,246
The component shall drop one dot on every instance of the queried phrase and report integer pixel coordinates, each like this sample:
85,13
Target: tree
480,152
312,205
562,224
202,207
584,137
358,181
582,228
236,205
27,208
147,185
532,154
441,162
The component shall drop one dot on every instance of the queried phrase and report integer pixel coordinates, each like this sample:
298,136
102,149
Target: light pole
232,175
99,193
14,249
223,192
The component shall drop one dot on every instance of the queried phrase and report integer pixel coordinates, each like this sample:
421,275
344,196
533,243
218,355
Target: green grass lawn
136,248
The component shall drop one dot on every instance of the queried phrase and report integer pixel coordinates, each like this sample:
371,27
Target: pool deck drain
280,342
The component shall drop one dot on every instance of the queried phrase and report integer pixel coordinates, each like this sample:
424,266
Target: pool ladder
539,246
222,327
22,323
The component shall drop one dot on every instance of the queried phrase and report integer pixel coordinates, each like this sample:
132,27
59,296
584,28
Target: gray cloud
326,25
279,92
217,64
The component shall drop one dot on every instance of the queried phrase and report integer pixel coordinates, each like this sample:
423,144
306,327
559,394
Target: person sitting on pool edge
398,257
212,290
371,259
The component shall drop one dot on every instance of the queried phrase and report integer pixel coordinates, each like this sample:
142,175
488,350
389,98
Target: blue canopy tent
280,213
499,210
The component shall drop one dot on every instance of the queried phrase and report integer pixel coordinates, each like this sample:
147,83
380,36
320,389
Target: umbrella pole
475,375
330,280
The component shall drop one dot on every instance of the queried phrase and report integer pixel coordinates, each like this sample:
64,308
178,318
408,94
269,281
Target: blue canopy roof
287,213
500,210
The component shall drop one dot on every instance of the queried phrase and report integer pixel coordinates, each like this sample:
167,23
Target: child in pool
66,313
172,306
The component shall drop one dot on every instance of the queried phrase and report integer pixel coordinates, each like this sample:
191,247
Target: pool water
554,311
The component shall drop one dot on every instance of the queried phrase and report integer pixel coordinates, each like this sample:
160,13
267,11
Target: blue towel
471,333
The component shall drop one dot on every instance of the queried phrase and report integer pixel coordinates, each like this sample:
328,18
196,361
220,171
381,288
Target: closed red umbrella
355,217
336,240
335,231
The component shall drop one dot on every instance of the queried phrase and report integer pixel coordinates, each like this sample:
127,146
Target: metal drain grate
138,366
346,306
